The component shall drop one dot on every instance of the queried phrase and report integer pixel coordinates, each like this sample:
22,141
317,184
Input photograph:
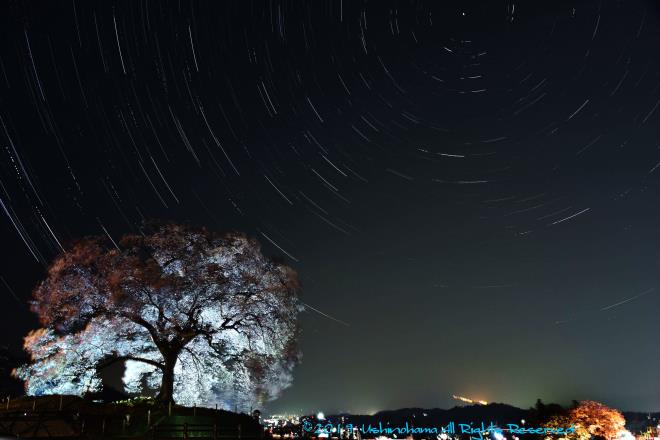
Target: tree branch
114,359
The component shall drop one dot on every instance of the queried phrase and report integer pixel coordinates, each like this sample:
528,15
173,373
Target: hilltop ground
69,416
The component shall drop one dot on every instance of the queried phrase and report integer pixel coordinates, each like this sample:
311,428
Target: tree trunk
166,393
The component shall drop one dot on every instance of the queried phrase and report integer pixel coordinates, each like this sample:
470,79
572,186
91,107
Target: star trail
469,190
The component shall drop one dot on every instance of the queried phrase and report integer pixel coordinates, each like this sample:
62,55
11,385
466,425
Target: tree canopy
592,419
199,317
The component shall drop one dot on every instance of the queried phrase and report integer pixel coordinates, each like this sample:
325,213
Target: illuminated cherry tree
592,420
200,318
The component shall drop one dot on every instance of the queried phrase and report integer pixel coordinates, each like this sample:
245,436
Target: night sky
469,190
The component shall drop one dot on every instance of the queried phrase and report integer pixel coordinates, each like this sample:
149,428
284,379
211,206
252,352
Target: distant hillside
498,413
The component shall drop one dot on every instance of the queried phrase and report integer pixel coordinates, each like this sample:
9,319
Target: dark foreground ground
67,417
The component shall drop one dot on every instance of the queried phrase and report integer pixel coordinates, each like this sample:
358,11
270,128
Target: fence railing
61,420
200,431
26,425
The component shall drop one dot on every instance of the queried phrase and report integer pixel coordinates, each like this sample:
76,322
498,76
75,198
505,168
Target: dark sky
473,187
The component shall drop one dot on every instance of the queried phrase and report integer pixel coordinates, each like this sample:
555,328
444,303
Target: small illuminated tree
202,318
591,419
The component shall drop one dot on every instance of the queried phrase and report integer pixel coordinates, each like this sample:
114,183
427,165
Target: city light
466,400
